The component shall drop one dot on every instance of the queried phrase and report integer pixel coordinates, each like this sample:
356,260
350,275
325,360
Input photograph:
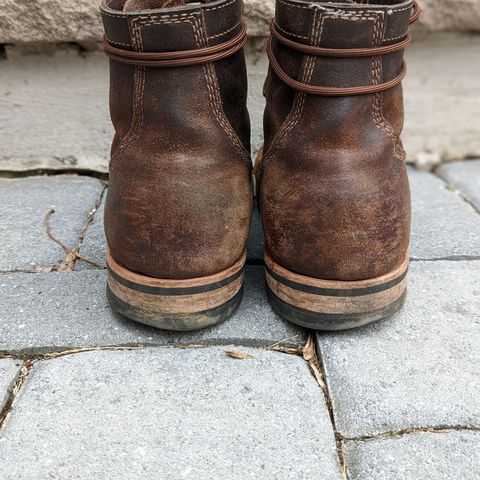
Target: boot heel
331,304
180,305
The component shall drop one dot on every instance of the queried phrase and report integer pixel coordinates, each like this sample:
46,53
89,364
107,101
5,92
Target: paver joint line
73,255
16,388
278,347
319,364
462,195
409,431
45,172
452,258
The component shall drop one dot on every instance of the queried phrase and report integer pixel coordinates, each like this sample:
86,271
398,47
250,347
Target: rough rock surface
169,413
69,131
79,20
452,15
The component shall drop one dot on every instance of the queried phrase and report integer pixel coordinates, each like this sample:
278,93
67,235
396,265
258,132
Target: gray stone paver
418,369
54,111
55,311
169,413
94,244
465,176
443,224
417,456
23,205
9,368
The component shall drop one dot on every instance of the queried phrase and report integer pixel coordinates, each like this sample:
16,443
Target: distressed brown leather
333,188
179,200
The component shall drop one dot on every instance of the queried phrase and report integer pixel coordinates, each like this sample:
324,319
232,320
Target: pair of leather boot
331,179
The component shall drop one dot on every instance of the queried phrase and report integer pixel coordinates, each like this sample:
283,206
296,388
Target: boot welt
334,305
180,305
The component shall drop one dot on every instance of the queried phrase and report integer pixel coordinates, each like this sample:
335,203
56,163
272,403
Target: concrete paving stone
36,97
443,224
464,176
54,111
94,245
417,369
442,105
257,67
57,311
23,205
169,413
79,20
9,369
418,456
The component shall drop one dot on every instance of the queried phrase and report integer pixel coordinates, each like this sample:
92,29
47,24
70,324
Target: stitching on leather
118,43
312,5
136,125
300,97
290,33
211,37
215,97
401,9
395,38
171,15
219,6
152,19
124,140
114,15
391,9
350,16
304,7
326,10
377,104
387,39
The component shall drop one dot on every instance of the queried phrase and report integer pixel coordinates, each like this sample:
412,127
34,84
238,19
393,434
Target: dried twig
238,355
310,356
71,254
276,344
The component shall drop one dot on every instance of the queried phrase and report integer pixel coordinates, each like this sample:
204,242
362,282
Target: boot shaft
339,27
179,200
176,100
333,183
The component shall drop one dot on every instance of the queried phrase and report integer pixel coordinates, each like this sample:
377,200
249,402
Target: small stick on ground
72,254
310,356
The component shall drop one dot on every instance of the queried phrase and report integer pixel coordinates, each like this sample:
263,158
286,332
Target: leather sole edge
334,305
178,305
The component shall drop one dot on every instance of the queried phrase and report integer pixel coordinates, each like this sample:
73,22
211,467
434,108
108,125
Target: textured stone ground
101,397
85,393
61,100
79,20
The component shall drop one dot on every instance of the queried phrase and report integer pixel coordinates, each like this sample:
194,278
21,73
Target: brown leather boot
333,191
179,202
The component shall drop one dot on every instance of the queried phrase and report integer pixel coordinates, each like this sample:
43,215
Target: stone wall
60,21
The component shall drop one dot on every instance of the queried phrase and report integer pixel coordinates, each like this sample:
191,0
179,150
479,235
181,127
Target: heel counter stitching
378,99
137,122
214,95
